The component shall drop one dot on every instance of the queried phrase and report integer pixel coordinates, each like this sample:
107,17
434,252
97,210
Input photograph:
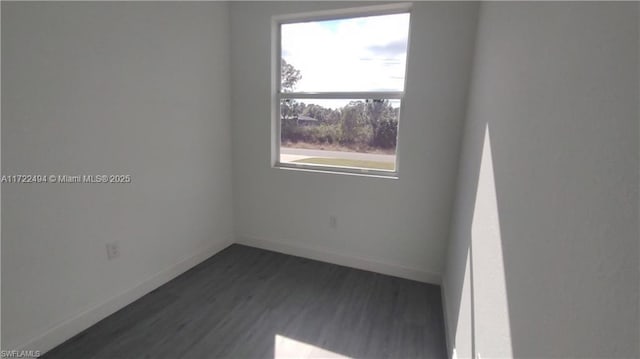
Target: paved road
293,154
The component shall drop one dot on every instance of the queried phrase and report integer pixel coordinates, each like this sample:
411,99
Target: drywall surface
396,226
109,88
543,258
0,209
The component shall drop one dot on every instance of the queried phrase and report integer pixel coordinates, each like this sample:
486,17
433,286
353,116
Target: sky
337,104
357,54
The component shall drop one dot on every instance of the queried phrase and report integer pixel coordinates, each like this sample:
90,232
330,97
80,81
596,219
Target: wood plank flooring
237,303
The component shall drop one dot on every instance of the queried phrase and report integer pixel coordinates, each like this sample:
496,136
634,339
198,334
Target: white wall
0,208
548,186
125,88
393,226
546,193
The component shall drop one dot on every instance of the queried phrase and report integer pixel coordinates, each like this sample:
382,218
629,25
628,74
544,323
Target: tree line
360,125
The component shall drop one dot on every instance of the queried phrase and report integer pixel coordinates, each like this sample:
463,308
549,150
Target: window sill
361,172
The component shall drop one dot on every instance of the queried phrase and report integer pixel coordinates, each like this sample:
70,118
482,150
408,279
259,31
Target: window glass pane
356,54
354,133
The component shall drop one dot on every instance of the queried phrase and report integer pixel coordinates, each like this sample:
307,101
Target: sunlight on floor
290,348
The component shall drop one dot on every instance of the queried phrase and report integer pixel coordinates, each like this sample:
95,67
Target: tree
289,76
351,122
375,109
383,121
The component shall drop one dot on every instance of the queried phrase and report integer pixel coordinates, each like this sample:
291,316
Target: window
339,86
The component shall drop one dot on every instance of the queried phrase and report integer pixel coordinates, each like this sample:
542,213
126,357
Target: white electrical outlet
333,222
113,250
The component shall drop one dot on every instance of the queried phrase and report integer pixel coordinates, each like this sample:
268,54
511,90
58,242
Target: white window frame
277,96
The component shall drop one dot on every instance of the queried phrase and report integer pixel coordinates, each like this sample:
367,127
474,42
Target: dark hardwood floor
234,305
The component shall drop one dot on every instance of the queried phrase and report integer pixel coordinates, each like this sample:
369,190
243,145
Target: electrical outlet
113,250
333,222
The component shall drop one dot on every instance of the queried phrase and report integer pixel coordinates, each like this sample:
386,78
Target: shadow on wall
519,293
477,223
545,235
458,283
486,294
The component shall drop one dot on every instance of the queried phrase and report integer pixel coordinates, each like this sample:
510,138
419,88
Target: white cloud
358,54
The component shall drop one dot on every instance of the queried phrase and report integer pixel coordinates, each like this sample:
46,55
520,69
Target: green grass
375,165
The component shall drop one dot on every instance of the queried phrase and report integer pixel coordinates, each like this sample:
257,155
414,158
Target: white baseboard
67,329
322,255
